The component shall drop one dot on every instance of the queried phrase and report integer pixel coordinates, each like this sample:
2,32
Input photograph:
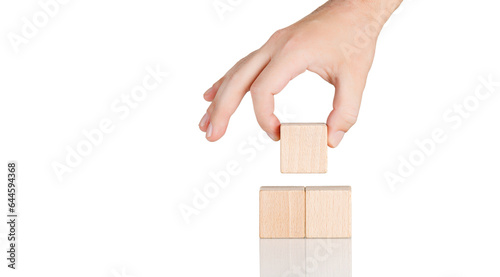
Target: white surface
117,214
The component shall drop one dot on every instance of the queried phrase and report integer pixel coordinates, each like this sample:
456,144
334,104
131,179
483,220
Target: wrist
374,12
379,10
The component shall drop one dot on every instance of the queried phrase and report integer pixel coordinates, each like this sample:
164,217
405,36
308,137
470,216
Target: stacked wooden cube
304,212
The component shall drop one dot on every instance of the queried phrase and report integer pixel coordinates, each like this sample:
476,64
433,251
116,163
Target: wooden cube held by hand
303,148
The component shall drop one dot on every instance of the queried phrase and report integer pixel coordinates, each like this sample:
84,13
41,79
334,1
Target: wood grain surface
282,212
328,212
303,148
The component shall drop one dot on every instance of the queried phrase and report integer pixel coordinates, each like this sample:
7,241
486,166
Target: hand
337,42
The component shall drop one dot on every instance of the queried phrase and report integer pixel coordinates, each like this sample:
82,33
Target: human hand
337,42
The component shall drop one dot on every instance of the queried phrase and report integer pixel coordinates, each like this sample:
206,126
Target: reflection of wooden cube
328,212
282,257
282,212
303,148
334,257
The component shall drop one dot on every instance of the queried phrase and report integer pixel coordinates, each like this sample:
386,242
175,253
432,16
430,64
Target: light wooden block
303,148
282,212
328,212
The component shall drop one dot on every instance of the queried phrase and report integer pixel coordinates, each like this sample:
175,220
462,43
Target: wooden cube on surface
303,148
282,212
328,212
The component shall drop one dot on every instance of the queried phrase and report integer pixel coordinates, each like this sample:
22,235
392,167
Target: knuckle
237,75
236,66
292,44
255,89
279,34
349,115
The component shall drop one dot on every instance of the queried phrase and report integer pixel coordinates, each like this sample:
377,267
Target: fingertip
274,137
204,122
271,126
214,133
337,127
209,131
209,95
335,138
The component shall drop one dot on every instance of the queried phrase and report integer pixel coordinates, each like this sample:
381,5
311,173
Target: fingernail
209,130
204,120
337,137
208,91
273,137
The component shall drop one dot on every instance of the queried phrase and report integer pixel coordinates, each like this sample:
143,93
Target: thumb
346,104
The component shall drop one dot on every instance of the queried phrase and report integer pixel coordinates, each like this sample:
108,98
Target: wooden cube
328,212
303,148
282,212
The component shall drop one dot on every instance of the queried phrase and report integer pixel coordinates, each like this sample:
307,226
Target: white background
117,213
